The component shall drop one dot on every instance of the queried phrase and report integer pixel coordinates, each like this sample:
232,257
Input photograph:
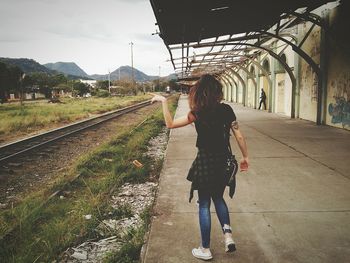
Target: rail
16,148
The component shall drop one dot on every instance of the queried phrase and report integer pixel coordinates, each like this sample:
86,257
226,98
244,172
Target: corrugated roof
184,21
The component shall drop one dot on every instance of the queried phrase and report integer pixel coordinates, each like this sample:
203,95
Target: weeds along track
29,165
27,151
32,217
10,151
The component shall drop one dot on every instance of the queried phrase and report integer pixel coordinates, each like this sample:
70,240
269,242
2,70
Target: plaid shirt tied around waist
207,171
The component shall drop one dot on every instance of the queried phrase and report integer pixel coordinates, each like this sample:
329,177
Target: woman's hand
157,97
243,165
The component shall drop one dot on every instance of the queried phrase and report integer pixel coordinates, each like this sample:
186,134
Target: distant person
262,99
213,120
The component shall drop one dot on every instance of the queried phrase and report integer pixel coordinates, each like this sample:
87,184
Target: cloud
82,31
94,34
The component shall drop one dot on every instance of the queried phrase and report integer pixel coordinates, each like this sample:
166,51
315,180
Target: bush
102,93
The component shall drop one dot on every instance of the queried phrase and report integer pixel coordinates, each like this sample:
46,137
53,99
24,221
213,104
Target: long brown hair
204,95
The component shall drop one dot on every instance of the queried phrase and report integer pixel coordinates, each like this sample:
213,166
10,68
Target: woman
213,120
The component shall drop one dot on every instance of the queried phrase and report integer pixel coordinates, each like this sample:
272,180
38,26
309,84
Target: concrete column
245,78
257,79
237,87
324,59
297,78
272,101
224,89
229,92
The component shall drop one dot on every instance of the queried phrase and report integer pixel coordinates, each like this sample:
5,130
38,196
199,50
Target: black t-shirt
211,126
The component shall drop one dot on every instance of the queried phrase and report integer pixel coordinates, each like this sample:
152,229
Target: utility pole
21,86
71,83
132,67
159,78
109,81
119,73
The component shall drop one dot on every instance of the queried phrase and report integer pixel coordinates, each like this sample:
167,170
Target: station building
297,52
268,73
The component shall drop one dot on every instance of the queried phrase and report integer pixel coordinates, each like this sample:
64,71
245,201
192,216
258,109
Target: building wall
283,83
281,93
224,89
251,93
234,93
239,91
308,78
336,106
338,82
338,91
229,92
265,85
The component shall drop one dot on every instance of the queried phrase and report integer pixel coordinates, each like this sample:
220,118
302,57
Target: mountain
73,71
125,73
68,68
27,65
30,66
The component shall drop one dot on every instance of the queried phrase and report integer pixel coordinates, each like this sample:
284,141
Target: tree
173,85
160,84
3,82
9,80
102,84
63,86
127,84
81,88
46,82
56,80
28,81
42,80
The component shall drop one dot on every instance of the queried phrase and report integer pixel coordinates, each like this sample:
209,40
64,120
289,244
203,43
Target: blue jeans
204,213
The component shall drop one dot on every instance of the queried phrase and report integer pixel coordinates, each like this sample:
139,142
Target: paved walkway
292,206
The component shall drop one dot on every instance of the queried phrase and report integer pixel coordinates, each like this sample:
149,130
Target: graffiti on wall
340,109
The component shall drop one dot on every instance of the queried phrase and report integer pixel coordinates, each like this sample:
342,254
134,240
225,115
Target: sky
95,34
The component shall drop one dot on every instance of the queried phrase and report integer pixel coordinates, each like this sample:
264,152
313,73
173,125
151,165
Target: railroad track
17,148
23,146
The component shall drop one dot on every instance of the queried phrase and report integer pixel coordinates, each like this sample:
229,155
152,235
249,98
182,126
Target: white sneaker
198,253
230,245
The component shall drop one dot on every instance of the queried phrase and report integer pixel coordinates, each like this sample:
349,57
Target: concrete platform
292,206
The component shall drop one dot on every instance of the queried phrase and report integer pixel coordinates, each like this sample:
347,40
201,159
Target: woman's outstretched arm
244,163
170,123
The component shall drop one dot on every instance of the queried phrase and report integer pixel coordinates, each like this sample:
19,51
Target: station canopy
183,22
192,20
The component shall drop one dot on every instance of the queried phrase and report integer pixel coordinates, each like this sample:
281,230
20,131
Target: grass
37,115
46,231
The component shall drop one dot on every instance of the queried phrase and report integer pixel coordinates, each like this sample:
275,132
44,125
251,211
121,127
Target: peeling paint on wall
314,89
316,48
308,79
